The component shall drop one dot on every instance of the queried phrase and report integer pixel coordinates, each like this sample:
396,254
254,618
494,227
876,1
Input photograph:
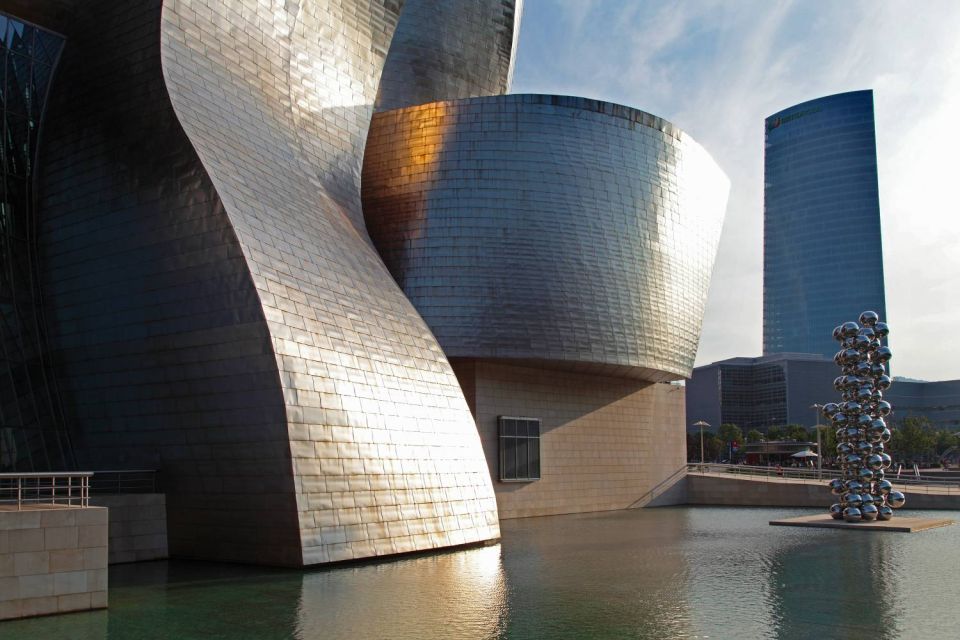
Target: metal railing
925,484
116,482
65,490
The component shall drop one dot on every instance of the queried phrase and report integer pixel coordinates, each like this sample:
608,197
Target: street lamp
701,424
817,408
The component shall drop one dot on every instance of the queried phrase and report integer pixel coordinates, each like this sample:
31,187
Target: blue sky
718,68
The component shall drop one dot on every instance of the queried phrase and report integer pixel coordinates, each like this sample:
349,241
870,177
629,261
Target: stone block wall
138,526
606,443
52,561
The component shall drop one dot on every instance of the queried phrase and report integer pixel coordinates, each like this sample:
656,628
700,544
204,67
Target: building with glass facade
822,253
759,393
209,294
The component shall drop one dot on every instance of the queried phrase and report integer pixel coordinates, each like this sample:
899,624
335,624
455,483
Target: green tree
754,436
775,433
730,433
796,432
945,440
913,439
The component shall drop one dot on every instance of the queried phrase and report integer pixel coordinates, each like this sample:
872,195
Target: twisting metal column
862,433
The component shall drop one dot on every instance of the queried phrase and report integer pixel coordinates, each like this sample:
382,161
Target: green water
654,573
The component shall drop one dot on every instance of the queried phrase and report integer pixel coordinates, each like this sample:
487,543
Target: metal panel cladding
822,255
450,49
277,100
548,229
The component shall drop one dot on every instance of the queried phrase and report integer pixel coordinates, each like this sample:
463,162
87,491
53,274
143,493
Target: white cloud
717,69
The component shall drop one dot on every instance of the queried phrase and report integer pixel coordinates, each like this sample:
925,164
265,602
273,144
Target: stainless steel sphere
836,511
852,514
864,448
868,498
862,343
881,330
852,407
864,394
844,449
884,512
852,434
849,329
853,486
838,333
854,461
884,487
836,487
883,408
884,382
852,499
896,499
869,512
883,354
885,436
878,475
840,419
886,460
864,421
865,475
874,462
869,318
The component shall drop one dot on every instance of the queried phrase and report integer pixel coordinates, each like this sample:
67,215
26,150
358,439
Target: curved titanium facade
385,454
450,49
821,222
542,229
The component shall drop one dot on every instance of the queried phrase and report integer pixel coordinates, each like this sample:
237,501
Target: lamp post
701,424
817,408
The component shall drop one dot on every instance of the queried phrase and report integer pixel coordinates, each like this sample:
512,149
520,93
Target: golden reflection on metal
354,604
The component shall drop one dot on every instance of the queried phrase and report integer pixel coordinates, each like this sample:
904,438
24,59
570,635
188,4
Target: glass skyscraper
822,262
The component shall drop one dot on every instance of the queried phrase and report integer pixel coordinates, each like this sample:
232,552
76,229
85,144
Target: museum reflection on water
651,573
450,595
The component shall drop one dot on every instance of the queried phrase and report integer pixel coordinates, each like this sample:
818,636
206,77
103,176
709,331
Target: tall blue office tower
822,260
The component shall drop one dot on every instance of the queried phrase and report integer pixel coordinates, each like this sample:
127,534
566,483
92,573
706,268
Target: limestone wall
52,561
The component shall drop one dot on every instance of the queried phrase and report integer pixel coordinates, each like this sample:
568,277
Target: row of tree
914,440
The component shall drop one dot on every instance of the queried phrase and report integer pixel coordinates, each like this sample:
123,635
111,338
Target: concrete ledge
900,525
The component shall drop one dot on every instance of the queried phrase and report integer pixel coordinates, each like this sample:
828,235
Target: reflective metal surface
548,229
450,49
276,100
820,173
863,373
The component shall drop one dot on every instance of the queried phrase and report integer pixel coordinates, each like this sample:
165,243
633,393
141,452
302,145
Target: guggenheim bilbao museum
312,263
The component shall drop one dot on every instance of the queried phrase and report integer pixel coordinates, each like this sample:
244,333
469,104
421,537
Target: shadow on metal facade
548,229
450,49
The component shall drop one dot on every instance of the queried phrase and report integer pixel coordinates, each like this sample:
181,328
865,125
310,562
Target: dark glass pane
522,466
533,455
508,470
16,146
533,428
18,73
41,80
508,427
3,31
46,47
20,37
522,428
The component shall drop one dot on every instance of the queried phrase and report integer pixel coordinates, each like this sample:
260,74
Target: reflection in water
651,573
459,595
829,583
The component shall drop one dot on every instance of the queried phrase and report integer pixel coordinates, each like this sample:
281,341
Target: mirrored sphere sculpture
859,419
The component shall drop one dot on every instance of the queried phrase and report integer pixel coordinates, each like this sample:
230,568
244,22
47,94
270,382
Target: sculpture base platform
901,525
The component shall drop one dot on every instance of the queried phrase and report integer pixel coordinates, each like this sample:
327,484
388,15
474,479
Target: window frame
528,440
